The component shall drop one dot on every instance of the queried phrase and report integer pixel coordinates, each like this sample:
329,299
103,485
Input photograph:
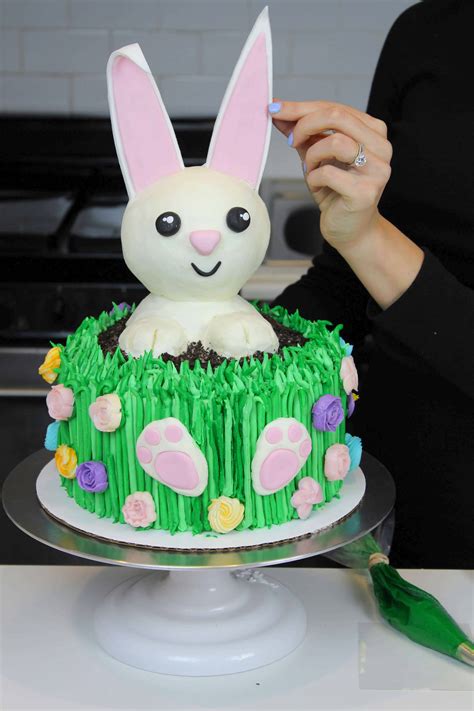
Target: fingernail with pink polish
290,139
303,165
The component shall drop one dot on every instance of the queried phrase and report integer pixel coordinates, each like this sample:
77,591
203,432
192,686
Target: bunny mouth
206,274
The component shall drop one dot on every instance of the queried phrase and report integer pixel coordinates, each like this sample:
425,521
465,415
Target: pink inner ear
146,137
241,136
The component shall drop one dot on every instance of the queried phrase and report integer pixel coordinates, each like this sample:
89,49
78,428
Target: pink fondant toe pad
282,449
168,453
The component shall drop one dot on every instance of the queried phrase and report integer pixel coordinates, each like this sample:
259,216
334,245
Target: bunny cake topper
194,236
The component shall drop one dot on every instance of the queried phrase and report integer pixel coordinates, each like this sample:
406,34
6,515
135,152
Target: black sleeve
389,76
383,93
330,291
434,320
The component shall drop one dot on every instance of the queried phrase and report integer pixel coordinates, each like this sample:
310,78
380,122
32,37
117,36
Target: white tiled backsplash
53,52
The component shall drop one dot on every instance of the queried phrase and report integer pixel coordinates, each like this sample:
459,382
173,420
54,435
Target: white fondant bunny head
199,233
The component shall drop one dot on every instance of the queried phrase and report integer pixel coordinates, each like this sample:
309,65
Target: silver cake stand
214,613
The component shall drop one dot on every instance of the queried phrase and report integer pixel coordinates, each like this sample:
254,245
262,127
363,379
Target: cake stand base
200,623
201,620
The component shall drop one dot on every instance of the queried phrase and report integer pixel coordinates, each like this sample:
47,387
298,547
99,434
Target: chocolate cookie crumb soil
108,341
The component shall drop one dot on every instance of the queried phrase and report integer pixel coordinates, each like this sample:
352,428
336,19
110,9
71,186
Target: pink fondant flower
337,462
139,509
60,402
309,493
106,412
349,376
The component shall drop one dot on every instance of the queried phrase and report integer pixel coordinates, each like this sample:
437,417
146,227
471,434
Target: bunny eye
168,224
238,219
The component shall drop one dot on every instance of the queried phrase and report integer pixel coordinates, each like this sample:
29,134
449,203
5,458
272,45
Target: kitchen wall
53,52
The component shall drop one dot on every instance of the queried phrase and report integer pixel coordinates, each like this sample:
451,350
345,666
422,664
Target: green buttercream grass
225,409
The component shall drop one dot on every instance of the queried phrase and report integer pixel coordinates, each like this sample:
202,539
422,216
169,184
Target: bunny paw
282,449
153,334
168,453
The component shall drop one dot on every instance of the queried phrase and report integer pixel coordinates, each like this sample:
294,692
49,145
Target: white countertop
350,658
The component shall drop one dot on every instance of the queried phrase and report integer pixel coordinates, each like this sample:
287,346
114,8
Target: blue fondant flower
51,437
348,347
354,444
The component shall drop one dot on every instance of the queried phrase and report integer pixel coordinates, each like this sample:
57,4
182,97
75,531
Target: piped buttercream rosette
225,514
66,461
349,375
139,509
106,412
60,402
49,367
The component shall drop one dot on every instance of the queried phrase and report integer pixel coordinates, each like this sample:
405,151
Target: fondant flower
336,462
60,402
123,306
139,509
51,363
106,412
348,347
348,373
51,438
327,413
309,493
354,445
351,401
225,514
66,461
92,476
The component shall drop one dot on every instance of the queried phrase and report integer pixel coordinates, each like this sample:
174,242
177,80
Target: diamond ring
360,158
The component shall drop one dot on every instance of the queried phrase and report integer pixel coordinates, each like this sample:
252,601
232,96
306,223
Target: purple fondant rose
123,306
327,413
92,476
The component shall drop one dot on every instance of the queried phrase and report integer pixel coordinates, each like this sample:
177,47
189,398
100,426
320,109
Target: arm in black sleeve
330,291
434,320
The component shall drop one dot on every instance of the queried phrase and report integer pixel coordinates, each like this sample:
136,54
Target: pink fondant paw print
168,453
282,448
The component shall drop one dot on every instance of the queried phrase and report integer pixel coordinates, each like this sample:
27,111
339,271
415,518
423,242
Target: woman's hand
327,137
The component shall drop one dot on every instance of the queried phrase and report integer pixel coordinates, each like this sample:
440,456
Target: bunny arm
233,328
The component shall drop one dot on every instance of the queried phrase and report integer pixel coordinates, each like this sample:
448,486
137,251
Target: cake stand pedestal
214,613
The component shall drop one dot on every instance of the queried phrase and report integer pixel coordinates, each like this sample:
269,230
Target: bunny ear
241,136
144,138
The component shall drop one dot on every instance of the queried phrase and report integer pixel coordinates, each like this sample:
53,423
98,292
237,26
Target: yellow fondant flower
66,461
225,514
51,362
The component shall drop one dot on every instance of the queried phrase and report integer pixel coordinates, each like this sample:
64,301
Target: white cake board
55,500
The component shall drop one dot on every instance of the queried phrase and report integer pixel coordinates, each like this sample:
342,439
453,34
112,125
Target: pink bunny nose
205,241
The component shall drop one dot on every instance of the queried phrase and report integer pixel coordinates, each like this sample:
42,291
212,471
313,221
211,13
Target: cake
197,410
